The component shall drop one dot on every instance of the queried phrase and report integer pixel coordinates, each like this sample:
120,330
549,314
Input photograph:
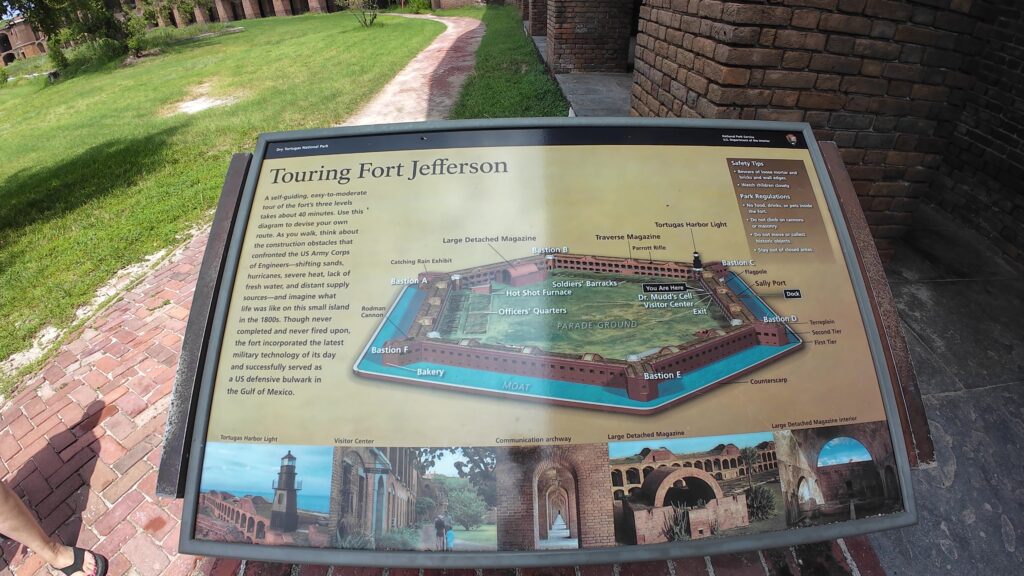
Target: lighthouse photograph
272,495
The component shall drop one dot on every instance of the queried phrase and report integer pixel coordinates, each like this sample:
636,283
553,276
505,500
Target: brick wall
588,35
884,79
979,181
538,17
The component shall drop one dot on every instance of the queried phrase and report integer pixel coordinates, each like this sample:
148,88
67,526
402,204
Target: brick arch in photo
555,498
528,496
810,489
662,486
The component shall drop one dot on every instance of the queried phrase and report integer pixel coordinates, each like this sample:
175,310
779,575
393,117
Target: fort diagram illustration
616,334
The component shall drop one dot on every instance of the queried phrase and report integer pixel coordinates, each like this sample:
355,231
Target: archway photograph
672,490
837,473
553,497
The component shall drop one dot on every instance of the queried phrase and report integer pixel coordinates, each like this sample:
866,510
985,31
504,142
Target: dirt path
428,87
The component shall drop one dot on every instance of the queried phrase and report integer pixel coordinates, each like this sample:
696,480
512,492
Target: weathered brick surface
588,35
938,79
979,178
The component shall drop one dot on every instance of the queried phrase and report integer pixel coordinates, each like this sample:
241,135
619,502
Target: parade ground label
519,338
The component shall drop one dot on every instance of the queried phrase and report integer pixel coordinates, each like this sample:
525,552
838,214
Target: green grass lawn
510,80
486,535
27,66
95,175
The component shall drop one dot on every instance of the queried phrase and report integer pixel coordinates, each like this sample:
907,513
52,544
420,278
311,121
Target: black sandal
79,564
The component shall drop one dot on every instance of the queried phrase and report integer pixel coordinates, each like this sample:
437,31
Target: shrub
3,77
677,527
91,56
365,11
57,44
760,503
399,539
136,28
424,507
350,536
418,6
356,541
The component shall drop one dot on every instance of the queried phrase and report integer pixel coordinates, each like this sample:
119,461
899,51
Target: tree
749,457
91,18
466,507
424,507
476,465
68,22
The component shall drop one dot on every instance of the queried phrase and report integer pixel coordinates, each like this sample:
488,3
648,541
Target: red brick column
538,17
178,18
251,9
588,35
883,79
223,9
202,16
318,6
282,8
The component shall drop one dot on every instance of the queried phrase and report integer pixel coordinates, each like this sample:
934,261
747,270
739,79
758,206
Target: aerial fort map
607,333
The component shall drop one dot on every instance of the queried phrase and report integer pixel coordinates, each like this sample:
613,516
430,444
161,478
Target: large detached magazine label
524,339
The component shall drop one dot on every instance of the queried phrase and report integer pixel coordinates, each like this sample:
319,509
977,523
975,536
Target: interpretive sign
532,343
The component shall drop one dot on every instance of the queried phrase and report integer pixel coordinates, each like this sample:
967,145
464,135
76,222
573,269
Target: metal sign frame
414,135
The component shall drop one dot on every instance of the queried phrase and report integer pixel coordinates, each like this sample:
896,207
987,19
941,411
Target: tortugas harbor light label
579,342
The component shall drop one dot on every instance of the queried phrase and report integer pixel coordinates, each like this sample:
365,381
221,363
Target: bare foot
66,557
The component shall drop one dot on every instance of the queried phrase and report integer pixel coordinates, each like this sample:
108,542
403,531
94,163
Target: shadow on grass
50,191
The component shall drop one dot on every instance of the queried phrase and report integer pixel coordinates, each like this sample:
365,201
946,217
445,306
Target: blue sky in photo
841,451
687,445
244,469
446,464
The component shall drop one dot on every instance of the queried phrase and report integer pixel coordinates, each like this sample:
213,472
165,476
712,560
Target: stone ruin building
701,491
18,40
814,492
722,462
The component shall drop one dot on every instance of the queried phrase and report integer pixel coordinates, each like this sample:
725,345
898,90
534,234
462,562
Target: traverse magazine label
541,339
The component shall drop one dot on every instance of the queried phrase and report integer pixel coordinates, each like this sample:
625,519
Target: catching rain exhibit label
532,343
